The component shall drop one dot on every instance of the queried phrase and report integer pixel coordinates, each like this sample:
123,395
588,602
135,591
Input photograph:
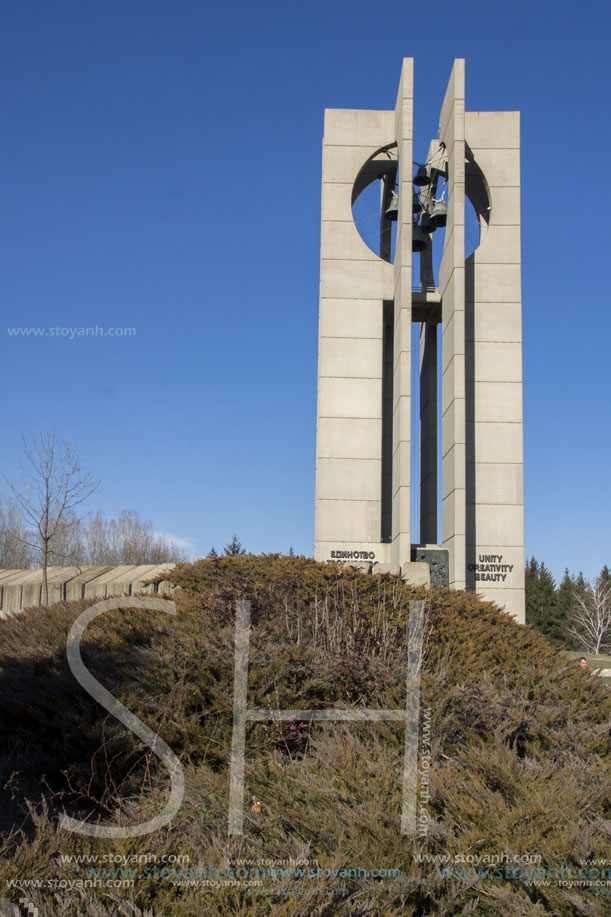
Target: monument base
438,560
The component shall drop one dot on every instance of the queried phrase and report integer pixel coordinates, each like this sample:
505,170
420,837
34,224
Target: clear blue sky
145,144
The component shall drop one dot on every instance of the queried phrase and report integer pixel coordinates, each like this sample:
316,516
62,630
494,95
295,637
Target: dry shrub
519,741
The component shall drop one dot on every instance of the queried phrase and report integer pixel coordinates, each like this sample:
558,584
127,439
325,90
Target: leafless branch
590,618
52,486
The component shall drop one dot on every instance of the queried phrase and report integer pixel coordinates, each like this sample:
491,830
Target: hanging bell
439,213
416,205
422,177
427,223
392,210
420,240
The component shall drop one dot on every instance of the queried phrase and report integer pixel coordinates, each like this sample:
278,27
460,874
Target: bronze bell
416,205
439,214
427,223
420,240
422,177
392,210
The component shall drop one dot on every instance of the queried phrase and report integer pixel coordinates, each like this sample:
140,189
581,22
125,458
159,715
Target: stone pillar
354,282
452,289
495,514
402,296
428,433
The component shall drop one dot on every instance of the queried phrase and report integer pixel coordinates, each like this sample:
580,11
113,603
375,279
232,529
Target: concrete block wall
21,589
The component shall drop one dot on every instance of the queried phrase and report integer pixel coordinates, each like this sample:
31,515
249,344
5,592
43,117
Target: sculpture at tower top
470,386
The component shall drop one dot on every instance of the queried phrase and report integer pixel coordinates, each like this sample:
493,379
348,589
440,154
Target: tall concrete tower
470,381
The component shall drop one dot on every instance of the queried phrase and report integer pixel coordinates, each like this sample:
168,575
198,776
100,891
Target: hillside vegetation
518,737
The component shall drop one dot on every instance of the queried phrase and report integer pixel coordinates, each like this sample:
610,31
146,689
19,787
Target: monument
470,346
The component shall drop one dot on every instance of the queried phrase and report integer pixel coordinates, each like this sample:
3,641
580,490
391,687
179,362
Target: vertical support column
495,512
452,289
387,409
354,282
428,433
401,528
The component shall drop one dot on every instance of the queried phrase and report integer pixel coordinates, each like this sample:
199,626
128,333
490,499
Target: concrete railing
21,589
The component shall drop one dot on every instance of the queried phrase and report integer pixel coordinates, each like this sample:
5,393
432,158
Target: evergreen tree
541,607
604,577
580,586
212,552
531,578
234,547
565,595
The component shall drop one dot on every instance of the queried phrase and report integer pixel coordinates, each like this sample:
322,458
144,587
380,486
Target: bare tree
15,553
69,543
126,540
589,620
52,485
